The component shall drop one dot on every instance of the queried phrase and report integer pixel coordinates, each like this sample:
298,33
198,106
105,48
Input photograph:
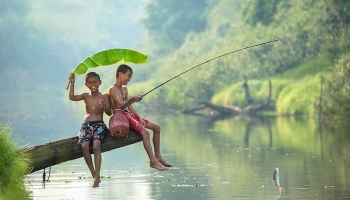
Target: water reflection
228,159
223,159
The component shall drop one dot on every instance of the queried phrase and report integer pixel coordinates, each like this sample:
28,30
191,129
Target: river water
226,159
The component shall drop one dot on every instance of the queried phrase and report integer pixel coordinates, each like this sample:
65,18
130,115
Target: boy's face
125,78
93,83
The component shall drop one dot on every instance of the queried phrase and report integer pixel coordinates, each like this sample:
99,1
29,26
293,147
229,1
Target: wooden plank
57,152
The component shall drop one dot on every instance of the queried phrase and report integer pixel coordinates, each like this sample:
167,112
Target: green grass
13,167
234,95
298,97
299,88
315,66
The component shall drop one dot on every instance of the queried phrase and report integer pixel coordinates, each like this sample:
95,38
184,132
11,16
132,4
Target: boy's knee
96,147
145,133
85,150
85,146
158,128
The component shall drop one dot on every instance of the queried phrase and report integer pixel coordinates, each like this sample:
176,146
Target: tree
335,102
260,11
170,21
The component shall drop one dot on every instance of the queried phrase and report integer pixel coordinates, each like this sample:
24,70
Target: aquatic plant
13,167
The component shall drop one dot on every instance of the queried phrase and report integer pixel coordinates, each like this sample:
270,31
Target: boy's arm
107,107
72,96
130,107
117,99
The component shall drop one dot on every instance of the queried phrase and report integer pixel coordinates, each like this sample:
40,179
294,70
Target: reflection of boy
93,128
120,100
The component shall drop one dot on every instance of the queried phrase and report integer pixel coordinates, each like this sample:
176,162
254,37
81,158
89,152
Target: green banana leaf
109,57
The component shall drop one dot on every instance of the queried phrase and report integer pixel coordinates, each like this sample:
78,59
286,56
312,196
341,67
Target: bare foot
164,162
96,183
159,166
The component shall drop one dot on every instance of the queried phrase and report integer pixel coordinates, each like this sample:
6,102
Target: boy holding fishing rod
93,128
118,93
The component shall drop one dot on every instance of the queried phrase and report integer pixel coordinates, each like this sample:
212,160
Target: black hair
123,68
91,74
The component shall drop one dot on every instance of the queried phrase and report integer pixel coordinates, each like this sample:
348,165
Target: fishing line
207,62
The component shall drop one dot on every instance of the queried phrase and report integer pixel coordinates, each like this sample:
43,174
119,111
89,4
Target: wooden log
57,152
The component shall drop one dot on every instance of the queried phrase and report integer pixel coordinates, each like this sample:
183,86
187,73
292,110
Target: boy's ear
100,82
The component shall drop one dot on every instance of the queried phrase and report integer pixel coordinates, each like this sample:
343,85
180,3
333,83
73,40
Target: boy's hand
72,78
102,103
137,98
142,121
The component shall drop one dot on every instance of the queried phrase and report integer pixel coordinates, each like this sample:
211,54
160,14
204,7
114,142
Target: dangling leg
98,161
87,157
154,163
156,143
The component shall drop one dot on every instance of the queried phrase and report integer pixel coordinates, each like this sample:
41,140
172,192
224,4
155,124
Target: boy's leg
156,143
87,157
154,163
98,161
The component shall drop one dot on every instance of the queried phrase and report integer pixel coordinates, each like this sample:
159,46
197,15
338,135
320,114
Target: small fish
276,179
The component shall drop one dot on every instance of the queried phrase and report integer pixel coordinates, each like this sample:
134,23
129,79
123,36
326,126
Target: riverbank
12,167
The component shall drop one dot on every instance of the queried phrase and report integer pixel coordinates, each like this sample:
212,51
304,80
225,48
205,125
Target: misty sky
88,21
43,39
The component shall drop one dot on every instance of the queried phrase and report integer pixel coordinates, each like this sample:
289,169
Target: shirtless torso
92,105
118,97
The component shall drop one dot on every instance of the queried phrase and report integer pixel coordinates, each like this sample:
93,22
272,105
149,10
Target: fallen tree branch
60,151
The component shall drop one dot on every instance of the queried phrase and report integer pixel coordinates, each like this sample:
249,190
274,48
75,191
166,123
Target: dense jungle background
312,53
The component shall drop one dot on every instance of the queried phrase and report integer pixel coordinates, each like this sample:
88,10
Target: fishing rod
255,45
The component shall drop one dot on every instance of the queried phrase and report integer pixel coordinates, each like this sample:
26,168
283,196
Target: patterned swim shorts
134,122
92,130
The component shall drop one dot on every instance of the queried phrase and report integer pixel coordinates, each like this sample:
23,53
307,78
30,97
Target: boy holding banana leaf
118,93
93,128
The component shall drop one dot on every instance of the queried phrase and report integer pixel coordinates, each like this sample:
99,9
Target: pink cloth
134,122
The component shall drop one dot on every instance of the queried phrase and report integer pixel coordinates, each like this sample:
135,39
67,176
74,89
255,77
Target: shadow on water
224,159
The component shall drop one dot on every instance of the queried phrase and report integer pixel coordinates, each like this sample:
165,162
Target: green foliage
109,57
288,90
303,33
260,11
297,90
311,35
336,99
170,21
235,94
292,100
181,34
319,64
13,167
